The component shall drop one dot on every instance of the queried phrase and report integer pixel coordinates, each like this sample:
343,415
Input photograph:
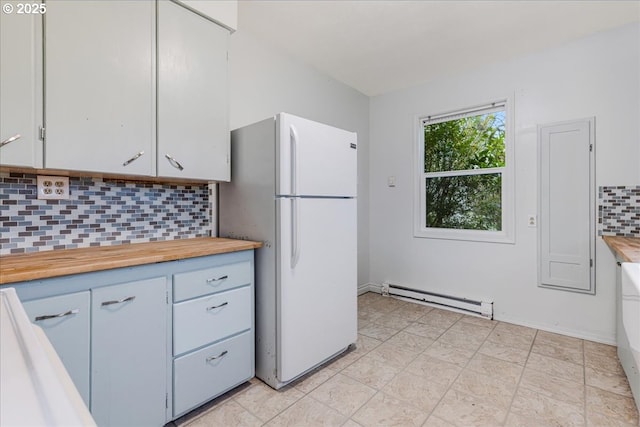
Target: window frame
506,234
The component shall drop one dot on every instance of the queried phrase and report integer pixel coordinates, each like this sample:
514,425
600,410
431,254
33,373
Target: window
464,164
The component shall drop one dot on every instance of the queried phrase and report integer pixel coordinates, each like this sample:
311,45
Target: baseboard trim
369,287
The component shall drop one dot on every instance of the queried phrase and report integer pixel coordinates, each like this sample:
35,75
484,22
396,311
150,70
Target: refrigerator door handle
295,248
294,157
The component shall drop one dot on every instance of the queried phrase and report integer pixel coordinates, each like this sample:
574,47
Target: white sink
631,306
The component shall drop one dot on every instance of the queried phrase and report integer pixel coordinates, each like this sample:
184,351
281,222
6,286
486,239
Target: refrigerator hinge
166,400
591,262
42,133
590,147
166,294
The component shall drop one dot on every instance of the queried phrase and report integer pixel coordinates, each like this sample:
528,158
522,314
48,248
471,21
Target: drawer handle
213,307
213,280
10,140
220,356
173,162
118,301
55,316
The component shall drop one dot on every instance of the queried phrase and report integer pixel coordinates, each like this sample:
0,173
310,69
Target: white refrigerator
293,187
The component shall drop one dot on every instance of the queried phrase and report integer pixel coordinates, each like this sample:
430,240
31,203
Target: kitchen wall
595,76
265,81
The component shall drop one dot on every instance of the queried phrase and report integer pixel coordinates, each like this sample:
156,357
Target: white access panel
317,306
567,187
315,159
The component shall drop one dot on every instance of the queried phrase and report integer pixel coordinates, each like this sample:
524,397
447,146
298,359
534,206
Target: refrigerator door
314,159
317,290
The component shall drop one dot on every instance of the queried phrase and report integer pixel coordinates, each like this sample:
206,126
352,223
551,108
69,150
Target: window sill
465,235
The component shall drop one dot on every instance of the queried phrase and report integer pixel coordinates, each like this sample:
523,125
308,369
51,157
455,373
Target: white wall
264,82
595,76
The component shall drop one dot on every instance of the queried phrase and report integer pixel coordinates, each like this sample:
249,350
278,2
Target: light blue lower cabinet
128,348
65,319
211,371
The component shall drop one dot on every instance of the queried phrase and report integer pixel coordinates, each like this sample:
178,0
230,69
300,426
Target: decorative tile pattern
518,377
619,211
100,212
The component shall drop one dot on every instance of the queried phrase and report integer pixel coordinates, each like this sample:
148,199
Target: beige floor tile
534,409
448,353
308,412
479,321
553,387
556,367
409,341
471,329
229,414
384,411
500,369
558,352
414,311
595,419
343,394
458,339
344,360
370,371
351,423
510,337
614,406
503,352
440,318
609,381
510,328
488,388
425,330
603,362
313,379
465,410
434,369
265,402
549,338
434,421
421,392
365,344
392,355
394,320
379,332
598,348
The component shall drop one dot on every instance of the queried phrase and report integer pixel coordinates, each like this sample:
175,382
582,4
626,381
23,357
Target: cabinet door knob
135,157
176,164
221,355
213,307
55,316
10,140
118,301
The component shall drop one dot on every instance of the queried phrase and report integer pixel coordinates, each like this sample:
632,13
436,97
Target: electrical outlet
532,221
53,187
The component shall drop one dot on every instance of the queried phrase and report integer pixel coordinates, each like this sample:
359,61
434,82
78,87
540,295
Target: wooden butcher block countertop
42,265
627,248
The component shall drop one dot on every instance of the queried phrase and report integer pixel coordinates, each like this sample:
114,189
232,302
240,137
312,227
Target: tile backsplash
100,212
619,211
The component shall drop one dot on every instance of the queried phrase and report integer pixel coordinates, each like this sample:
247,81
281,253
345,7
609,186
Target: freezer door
315,159
317,288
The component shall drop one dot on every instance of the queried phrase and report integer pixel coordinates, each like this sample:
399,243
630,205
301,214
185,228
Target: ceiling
378,46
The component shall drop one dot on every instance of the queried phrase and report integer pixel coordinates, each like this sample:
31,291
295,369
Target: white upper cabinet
100,86
21,87
193,124
224,12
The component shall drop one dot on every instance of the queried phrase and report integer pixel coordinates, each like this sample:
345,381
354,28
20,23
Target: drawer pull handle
55,316
118,301
213,280
220,356
213,307
10,140
135,157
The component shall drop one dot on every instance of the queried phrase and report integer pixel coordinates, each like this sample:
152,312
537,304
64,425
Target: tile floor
421,366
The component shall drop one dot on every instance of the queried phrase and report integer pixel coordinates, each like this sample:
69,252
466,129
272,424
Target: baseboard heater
463,305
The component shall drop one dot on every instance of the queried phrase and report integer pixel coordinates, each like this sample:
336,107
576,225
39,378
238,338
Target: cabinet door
129,353
193,124
100,85
21,87
65,320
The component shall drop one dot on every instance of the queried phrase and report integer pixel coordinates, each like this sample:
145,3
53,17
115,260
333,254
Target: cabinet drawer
211,318
209,372
209,280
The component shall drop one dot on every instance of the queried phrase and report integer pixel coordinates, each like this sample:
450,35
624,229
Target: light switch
391,181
